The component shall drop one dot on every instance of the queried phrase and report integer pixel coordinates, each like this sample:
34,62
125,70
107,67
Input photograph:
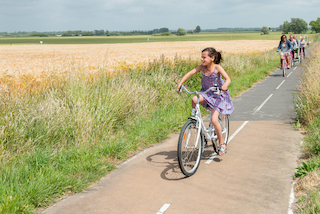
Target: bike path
280,105
255,176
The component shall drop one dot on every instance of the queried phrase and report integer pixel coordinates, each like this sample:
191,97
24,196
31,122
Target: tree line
296,26
161,31
114,33
85,33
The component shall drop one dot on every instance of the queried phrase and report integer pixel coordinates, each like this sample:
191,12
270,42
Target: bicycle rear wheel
189,150
224,122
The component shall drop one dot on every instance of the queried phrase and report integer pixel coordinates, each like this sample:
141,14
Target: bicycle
194,135
284,63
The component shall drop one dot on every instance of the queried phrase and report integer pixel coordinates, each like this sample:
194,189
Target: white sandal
223,150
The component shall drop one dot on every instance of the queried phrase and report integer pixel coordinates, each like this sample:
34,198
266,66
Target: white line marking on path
238,130
291,199
211,158
134,157
280,84
163,208
262,104
289,74
295,68
232,136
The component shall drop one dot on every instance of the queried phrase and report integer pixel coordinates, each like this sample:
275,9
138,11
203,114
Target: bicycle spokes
189,148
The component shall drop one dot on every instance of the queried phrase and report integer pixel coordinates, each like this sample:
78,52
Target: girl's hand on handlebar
224,88
178,89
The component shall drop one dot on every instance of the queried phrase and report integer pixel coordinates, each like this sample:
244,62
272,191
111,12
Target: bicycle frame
190,149
283,57
208,132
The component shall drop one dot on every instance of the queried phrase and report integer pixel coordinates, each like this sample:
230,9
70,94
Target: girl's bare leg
217,127
194,101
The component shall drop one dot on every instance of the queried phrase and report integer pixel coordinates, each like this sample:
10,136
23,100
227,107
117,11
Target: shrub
265,30
181,32
166,34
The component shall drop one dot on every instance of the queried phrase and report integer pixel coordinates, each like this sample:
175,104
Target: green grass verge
311,201
59,141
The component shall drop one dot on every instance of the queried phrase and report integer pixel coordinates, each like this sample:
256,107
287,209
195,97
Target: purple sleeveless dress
221,103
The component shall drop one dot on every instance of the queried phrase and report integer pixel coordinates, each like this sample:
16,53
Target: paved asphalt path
255,176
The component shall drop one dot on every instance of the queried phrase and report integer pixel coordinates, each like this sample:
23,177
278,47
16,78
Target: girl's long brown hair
217,55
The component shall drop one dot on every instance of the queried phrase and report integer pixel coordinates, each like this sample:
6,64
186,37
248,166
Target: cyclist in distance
298,44
293,44
297,40
285,47
302,45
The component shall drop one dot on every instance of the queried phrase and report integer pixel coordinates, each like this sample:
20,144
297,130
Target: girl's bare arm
189,74
221,71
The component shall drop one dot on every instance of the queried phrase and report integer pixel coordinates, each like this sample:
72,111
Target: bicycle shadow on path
168,161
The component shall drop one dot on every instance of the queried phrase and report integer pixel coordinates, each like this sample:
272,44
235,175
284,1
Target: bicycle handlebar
215,88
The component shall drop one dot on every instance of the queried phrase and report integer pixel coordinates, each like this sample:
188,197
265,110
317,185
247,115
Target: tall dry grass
307,105
308,100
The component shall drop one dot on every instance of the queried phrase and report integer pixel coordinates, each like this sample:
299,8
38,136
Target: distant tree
39,34
181,32
265,30
163,30
198,29
298,25
315,25
87,33
99,32
285,27
78,32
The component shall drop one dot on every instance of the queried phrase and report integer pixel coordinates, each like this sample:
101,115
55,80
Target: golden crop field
36,59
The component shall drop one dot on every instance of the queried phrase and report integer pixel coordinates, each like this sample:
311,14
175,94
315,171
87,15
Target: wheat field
36,59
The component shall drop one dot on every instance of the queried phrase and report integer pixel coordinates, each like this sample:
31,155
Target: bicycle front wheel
224,122
189,148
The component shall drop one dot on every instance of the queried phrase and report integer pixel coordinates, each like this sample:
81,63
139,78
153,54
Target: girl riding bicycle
211,75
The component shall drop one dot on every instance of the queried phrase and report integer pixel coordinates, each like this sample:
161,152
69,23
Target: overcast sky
127,15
